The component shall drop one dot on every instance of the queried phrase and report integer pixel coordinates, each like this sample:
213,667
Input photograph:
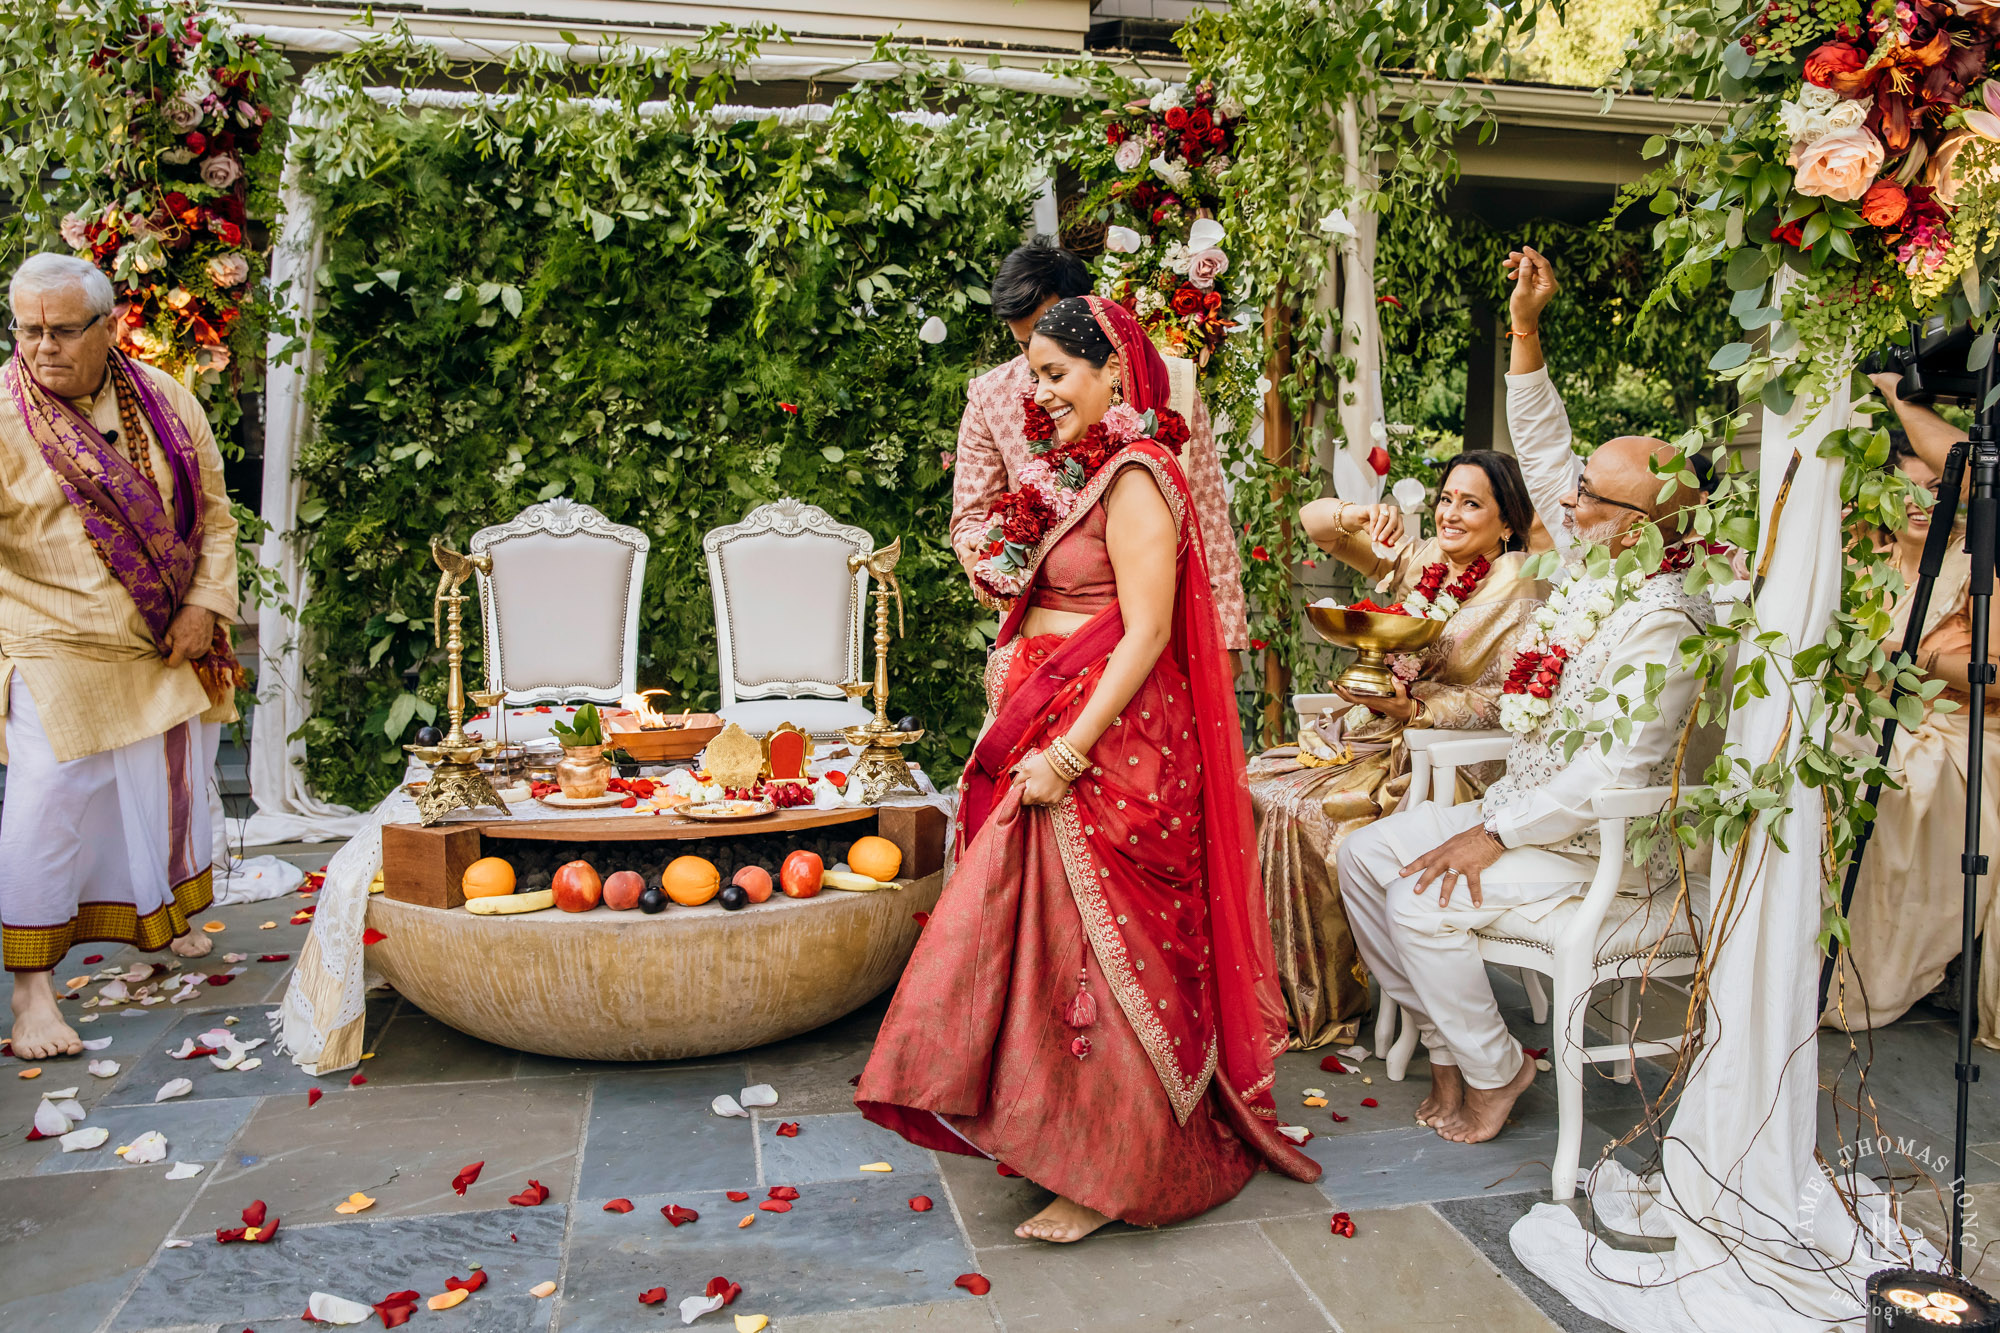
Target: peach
755,881
622,890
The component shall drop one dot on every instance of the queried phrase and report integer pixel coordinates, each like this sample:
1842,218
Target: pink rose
75,232
1123,423
228,270
1841,165
1942,173
1206,266
181,112
221,171
1129,155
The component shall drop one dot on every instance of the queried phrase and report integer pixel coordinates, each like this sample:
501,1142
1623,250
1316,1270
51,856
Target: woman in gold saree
1351,767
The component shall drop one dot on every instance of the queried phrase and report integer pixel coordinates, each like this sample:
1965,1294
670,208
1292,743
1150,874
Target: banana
511,904
853,883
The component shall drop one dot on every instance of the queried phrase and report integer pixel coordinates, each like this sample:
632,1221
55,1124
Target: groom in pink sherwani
993,444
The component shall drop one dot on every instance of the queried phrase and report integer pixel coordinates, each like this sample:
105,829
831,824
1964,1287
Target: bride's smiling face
1074,393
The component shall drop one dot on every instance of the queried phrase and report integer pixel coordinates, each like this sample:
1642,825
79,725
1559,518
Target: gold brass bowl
1372,635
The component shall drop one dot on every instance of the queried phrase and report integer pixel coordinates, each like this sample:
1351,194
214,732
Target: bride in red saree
1094,1001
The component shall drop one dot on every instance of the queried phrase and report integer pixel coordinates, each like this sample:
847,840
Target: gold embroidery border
1183,1093
41,948
998,663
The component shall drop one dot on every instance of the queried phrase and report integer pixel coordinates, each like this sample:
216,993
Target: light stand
1981,454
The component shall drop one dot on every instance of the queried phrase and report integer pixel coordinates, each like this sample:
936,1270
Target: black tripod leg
1935,545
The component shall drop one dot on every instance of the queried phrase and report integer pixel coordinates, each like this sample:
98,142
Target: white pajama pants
1424,955
114,846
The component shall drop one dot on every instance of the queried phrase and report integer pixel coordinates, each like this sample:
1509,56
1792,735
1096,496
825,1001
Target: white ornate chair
1603,937
788,618
560,611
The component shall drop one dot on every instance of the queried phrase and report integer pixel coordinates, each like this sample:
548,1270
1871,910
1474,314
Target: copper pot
583,773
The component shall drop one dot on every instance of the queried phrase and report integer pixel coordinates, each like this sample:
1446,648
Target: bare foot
39,1030
1484,1113
192,945
1063,1221
1447,1095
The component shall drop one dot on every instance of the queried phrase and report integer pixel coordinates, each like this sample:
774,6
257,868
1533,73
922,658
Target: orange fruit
877,858
690,881
489,877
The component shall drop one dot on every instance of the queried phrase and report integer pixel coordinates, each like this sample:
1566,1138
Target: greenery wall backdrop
670,318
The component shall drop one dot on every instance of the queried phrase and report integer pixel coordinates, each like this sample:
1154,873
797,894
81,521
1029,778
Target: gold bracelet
1068,764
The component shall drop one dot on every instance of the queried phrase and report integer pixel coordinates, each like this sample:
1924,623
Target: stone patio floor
83,1234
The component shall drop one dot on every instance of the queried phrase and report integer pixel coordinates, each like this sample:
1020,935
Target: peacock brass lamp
881,768
455,782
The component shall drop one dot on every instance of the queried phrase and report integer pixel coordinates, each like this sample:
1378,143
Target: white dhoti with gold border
113,846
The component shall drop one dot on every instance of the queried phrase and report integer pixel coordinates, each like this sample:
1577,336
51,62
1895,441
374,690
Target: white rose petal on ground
148,1147
763,1094
104,1068
184,1171
172,1088
97,1044
727,1105
694,1307
50,1122
336,1309
83,1140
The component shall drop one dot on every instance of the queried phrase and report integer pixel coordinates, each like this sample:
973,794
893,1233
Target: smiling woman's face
1074,393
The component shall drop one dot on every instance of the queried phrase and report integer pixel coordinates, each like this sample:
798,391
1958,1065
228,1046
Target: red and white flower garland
1053,482
1431,600
1565,623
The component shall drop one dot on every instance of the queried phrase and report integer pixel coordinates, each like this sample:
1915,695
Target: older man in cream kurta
117,573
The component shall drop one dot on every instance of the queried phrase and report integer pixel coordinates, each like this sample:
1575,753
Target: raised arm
1535,416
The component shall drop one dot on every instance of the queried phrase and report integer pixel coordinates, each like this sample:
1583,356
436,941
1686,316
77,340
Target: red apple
755,881
622,890
799,876
577,887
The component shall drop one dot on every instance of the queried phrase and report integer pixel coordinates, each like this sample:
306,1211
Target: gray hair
49,272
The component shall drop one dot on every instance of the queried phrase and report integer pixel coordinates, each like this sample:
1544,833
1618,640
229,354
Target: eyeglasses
62,333
1583,492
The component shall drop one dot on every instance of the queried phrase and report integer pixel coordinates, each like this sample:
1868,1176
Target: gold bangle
1068,764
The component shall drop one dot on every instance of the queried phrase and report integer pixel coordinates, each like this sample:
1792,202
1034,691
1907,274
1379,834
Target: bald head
1620,491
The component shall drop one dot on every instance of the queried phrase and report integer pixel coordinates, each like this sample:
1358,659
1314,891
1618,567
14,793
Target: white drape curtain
1363,424
1760,1239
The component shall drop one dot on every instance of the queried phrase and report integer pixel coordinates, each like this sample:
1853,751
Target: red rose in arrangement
1217,136
1791,233
1114,134
1028,517
1200,120
1187,301
1177,118
1884,205
196,141
1828,63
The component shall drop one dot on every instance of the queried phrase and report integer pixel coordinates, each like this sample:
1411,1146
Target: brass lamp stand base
456,787
881,768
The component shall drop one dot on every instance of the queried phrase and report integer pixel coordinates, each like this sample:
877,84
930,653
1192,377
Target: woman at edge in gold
1351,768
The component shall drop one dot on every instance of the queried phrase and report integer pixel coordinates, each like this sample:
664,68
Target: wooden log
426,866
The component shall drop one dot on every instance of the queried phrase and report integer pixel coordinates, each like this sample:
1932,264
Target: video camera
1933,365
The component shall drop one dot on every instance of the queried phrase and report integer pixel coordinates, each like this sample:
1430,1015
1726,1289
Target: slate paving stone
1193,1278
833,1147
1413,1165
241,1285
949,1317
142,1078
811,1072
195,1132
401,1147
130,1038
653,1131
414,1048
74,1243
837,1250
1485,1221
1402,1268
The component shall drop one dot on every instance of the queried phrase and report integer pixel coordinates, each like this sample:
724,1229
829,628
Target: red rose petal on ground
312,1099
618,1206
1006,1170
536,1193
1368,1101
854,1082
372,936
224,1235
677,1215
974,1283
397,1307
921,1204
723,1287
1331,1064
657,1294
1338,1117
473,1283
738,1196
253,1216
35,1135
93,958
774,1206
1343,1225
357,1080
220,979
274,958
783,1192
466,1176
265,1232
1534,1054
789,1130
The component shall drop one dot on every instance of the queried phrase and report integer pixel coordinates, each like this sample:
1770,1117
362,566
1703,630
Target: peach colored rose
1941,173
1884,204
1840,165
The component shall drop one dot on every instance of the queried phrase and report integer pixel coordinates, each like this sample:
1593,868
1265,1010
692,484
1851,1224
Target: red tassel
1083,1008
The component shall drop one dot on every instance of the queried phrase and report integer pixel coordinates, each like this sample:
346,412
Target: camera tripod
1980,455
